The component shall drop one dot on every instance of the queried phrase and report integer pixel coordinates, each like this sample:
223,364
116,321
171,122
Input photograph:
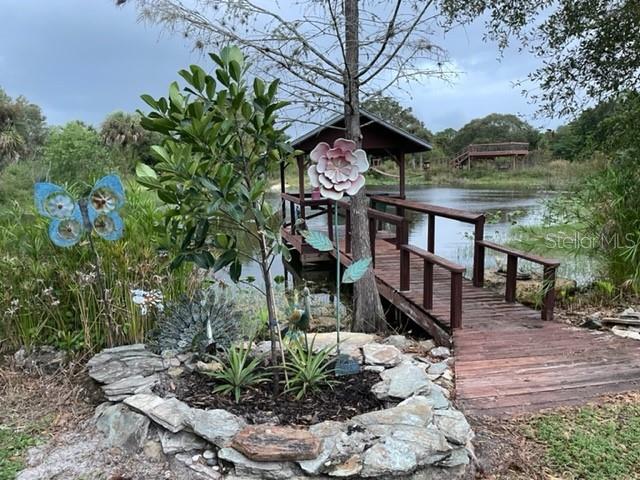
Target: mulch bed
349,397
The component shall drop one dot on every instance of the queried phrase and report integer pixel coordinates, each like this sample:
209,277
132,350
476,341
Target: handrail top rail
293,198
372,212
433,258
547,262
452,213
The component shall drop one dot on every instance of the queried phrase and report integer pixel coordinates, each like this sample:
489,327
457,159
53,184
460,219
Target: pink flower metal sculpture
338,170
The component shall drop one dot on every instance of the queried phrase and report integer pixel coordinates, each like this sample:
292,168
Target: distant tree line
592,130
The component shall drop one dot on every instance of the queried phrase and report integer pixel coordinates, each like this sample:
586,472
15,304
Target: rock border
419,435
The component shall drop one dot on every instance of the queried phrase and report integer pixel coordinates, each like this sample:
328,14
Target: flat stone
350,467
440,352
210,367
205,472
349,341
402,382
428,444
453,425
457,457
180,442
427,345
626,333
172,414
122,428
437,397
215,426
399,341
113,364
414,411
143,402
328,432
390,457
436,370
175,372
153,450
374,368
245,466
121,389
378,354
267,443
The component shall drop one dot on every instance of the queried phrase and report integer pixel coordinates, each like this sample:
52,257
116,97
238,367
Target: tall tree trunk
368,314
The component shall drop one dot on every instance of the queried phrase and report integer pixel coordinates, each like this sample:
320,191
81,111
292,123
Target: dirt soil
349,397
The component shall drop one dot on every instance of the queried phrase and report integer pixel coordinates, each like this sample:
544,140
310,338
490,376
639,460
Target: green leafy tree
75,152
221,145
495,127
22,128
121,129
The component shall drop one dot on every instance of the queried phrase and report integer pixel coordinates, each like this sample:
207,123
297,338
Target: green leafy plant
209,319
239,371
308,369
221,146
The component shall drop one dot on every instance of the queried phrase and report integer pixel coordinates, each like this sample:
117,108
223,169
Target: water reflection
454,240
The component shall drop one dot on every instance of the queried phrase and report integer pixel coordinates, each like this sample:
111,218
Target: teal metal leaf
356,270
318,240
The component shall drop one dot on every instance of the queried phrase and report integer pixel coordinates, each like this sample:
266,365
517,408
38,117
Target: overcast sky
83,59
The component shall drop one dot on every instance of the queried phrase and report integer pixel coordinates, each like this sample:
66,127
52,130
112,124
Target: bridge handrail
548,276
452,213
430,259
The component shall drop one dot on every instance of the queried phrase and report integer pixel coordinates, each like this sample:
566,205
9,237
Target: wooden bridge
489,151
508,358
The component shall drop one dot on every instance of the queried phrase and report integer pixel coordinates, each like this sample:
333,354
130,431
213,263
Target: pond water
454,240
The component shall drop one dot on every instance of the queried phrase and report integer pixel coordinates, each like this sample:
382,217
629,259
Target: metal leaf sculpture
70,219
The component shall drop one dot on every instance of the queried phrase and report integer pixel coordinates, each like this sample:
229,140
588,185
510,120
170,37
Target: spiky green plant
208,320
308,370
239,371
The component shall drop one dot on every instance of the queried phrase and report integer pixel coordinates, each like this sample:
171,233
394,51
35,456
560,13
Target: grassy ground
35,408
600,441
593,443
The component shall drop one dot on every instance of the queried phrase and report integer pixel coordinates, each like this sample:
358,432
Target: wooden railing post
405,271
549,289
431,233
478,253
292,213
427,300
373,230
347,229
330,220
512,274
456,300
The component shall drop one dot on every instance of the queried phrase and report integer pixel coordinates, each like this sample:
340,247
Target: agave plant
210,320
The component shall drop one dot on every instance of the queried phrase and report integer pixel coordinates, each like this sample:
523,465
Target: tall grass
49,295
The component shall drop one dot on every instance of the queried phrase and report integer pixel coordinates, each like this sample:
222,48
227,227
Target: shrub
308,370
47,290
239,372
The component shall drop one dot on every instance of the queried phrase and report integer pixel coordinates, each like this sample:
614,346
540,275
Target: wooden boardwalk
508,360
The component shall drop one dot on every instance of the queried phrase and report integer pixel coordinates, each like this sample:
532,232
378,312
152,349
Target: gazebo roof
379,137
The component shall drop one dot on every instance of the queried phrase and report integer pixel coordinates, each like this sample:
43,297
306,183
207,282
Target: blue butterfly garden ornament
70,219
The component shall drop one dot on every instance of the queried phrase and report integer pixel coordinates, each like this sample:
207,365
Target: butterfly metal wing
105,199
66,232
108,225
106,196
52,201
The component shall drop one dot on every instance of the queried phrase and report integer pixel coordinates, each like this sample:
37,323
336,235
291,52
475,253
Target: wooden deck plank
509,361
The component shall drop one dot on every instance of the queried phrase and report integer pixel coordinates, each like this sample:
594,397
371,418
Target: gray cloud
81,59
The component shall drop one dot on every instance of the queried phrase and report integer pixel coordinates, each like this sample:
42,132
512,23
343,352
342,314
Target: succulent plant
208,321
